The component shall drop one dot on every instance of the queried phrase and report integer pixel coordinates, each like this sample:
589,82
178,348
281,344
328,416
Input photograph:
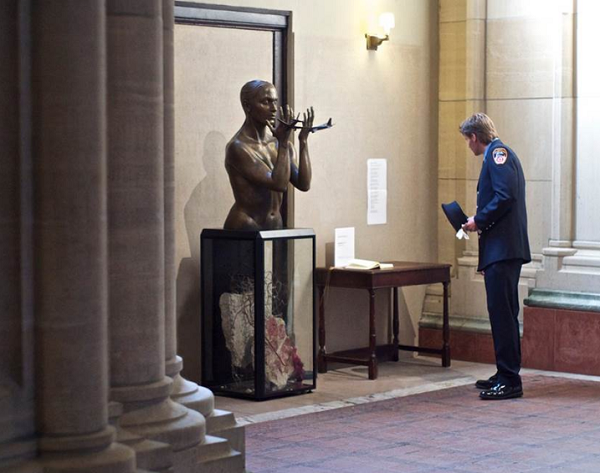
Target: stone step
219,420
223,424
233,462
213,448
150,455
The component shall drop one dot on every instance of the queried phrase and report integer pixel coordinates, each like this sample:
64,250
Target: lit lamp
387,22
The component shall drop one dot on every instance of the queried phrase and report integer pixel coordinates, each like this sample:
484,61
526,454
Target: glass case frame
223,252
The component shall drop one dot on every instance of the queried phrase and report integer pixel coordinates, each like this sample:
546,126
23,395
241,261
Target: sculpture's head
259,101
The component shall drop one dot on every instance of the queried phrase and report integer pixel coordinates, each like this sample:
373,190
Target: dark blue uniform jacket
501,215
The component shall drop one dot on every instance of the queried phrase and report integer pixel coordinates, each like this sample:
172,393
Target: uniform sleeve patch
500,155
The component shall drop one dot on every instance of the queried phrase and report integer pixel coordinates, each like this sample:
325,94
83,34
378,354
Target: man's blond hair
481,125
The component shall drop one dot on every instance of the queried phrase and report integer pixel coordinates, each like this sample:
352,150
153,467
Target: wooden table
403,274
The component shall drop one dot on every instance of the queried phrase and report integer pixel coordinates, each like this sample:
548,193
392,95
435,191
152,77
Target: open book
367,264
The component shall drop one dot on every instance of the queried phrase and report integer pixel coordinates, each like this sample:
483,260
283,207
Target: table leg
321,360
395,327
446,330
372,337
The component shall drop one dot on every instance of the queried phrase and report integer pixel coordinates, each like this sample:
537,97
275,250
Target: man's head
259,100
479,131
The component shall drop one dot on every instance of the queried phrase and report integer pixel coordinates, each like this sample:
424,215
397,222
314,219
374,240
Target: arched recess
217,49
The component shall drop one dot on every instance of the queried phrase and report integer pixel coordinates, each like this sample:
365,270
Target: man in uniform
501,221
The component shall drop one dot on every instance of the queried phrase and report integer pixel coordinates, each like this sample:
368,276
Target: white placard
376,191
377,174
377,208
343,246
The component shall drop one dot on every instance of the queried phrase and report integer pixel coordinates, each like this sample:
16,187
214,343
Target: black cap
455,214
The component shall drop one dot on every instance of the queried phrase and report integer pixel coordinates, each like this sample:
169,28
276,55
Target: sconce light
387,22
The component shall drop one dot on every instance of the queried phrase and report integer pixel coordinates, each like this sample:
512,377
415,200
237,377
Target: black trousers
502,290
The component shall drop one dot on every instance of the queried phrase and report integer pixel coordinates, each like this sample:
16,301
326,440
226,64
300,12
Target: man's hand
470,226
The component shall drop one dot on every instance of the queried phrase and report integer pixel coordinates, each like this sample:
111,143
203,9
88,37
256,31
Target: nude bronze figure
261,159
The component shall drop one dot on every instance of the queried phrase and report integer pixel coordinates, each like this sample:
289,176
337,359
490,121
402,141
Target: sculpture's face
263,106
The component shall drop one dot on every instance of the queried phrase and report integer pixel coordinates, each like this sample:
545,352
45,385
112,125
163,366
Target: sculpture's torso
256,207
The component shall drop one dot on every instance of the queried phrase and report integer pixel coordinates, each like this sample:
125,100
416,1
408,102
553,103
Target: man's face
476,146
263,106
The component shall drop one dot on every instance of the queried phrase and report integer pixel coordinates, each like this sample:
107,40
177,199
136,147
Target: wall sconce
387,22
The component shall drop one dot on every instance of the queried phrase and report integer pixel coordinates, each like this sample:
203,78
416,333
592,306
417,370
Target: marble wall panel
588,36
539,195
462,60
527,126
531,8
587,198
521,55
460,10
470,203
449,247
455,157
565,64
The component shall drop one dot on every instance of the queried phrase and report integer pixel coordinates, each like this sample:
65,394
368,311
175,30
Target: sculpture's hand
308,120
283,129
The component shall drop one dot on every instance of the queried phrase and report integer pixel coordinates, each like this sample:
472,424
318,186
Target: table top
404,273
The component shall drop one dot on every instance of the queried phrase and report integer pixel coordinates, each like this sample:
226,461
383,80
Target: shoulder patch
500,155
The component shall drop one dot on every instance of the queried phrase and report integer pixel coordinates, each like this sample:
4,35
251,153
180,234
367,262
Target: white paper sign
343,246
377,208
376,191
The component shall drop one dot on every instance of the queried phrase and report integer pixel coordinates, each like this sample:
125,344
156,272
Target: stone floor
440,426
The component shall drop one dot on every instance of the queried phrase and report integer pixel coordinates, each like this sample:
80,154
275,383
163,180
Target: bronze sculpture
260,165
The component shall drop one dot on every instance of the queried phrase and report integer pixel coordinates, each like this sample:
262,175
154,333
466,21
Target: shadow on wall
207,207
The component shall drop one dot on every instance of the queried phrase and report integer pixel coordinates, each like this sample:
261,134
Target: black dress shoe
487,383
500,391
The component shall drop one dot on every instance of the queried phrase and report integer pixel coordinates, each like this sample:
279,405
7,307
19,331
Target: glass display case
258,317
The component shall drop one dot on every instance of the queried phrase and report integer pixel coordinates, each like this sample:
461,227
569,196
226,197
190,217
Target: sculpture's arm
301,175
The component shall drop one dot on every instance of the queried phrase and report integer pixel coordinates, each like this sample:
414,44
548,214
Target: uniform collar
488,147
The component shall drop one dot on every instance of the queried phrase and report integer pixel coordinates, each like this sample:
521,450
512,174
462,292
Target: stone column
17,418
186,392
563,131
136,233
564,148
572,257
70,224
219,423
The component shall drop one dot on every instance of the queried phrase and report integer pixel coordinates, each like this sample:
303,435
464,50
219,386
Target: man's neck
487,146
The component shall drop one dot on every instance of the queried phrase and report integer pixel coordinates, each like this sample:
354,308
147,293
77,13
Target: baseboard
464,345
561,340
553,339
